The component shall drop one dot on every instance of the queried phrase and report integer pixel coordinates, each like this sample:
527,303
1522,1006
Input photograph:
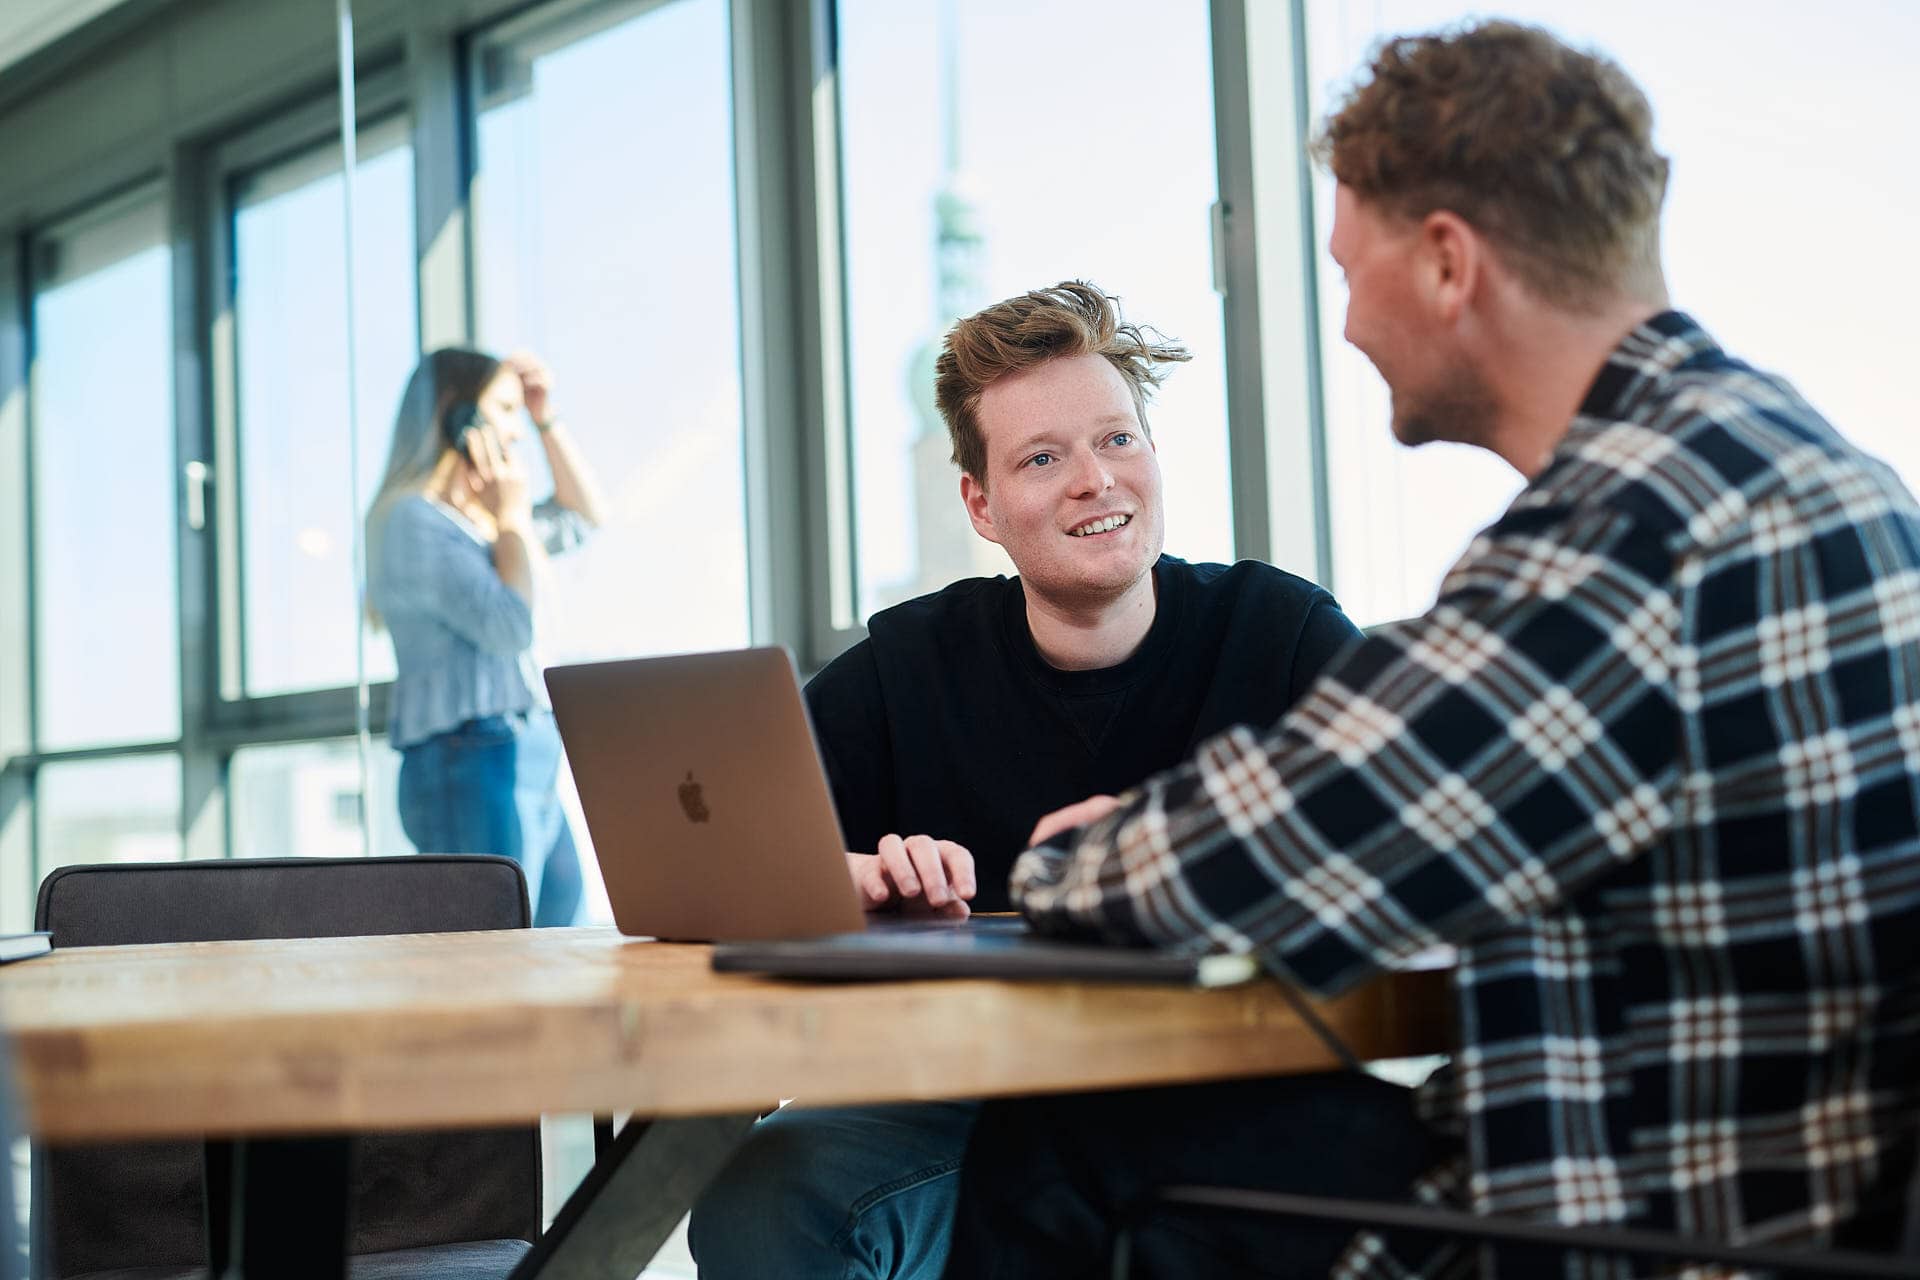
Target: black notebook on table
24,946
983,947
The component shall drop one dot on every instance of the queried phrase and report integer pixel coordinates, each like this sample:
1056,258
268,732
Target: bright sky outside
1788,233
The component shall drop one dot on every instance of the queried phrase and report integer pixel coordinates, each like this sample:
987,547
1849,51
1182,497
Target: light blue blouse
462,638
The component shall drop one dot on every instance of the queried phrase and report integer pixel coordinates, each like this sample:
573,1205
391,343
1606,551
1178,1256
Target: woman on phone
455,556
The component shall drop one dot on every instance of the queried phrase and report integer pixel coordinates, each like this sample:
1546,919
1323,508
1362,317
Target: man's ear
1452,258
974,495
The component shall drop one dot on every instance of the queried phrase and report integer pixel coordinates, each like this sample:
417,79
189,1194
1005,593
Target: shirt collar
1651,351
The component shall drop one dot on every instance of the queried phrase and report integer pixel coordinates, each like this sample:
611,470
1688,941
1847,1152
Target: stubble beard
1079,594
1461,410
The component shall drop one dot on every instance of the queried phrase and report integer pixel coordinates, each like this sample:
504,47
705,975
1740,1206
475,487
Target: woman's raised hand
497,479
536,384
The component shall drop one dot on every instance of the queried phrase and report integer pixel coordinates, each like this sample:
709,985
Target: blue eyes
1119,440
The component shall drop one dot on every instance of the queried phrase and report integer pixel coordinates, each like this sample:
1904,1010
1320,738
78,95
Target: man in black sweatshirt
968,714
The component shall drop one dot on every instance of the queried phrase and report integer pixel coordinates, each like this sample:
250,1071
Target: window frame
802,525
787,303
22,819
17,763
121,198
417,59
235,717
1266,264
1269,301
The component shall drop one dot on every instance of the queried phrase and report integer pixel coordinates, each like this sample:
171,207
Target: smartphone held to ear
458,424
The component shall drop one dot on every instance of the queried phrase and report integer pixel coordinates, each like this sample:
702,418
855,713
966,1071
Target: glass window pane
104,540
302,800
296,510
18,880
619,268
957,195
1400,517
125,809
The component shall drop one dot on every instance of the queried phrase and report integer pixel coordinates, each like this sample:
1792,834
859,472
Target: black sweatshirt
946,721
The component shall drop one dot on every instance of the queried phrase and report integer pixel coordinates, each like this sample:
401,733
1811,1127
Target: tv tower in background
946,546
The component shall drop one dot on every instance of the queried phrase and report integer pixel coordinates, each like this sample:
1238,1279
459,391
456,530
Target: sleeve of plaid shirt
1448,777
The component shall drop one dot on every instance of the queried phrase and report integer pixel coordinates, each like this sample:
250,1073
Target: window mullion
1275,411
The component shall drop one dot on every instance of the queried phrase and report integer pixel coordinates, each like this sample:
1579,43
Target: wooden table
413,1031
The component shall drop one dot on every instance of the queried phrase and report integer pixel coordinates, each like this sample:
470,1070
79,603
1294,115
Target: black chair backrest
143,1204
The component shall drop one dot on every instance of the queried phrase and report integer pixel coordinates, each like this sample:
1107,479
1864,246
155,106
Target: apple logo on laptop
691,801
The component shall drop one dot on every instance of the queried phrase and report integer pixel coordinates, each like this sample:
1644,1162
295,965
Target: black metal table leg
636,1193
216,1170
277,1208
602,1137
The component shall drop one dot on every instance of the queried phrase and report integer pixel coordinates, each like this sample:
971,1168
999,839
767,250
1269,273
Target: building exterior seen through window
978,161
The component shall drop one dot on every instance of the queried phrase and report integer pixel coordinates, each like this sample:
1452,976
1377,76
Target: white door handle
198,473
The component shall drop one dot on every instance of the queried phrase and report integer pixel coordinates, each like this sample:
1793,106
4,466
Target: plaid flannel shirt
1649,764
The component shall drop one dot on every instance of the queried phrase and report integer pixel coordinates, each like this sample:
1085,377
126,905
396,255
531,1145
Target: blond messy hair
1073,318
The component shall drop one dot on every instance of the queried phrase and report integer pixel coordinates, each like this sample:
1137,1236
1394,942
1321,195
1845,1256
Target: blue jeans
836,1193
487,787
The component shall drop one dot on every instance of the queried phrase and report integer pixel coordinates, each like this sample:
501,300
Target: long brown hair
440,379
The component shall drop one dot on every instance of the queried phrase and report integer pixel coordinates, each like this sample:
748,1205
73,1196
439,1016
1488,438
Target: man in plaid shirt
1648,763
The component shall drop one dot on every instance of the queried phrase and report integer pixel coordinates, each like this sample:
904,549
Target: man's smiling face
1072,489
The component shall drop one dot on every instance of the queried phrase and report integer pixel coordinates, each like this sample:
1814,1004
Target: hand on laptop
1092,809
917,874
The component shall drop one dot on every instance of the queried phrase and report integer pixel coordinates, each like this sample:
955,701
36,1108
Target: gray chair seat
444,1205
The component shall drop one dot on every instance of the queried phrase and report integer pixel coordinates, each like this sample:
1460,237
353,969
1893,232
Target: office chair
446,1205
1617,1242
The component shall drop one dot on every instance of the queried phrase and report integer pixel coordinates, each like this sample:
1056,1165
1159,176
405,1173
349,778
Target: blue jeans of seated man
836,1193
487,786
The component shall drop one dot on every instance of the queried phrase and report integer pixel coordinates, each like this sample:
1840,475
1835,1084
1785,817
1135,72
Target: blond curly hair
1073,318
1545,149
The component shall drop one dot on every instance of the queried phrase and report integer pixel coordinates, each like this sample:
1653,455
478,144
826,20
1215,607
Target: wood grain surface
426,1030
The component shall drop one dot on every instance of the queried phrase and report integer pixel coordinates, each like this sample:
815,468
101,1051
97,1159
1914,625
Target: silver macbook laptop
704,795
712,820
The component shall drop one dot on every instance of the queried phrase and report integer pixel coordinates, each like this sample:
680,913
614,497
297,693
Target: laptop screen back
704,795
